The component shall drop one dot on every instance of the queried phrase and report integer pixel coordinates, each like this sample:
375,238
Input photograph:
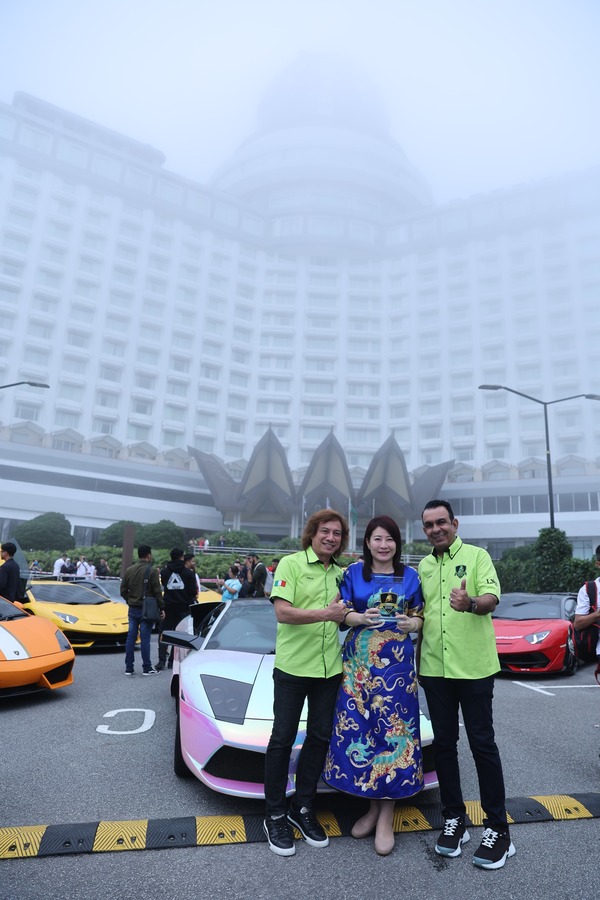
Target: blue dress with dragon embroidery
375,749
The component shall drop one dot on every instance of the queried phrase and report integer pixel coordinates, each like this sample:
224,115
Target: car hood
25,637
103,613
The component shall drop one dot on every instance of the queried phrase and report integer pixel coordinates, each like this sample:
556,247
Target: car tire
570,663
179,766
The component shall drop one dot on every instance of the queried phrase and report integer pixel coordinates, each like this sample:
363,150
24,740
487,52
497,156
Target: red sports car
535,634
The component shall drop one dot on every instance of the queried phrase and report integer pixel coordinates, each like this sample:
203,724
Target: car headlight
537,637
63,643
228,699
66,617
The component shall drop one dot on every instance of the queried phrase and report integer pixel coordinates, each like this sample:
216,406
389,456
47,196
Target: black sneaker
279,835
150,671
494,849
160,666
452,836
129,671
308,826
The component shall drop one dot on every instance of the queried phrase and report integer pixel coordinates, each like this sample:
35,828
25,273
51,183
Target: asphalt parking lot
100,753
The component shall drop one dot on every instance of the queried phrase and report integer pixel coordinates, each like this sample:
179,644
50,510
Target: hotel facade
313,285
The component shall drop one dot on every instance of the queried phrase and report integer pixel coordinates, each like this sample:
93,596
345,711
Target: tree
289,543
114,534
162,534
50,531
246,539
550,552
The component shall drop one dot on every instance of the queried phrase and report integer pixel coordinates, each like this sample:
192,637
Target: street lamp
30,383
545,404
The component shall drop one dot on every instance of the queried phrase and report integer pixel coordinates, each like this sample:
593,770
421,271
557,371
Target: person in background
189,560
102,569
179,591
232,586
308,667
458,662
10,574
244,575
139,578
587,611
58,564
256,576
83,568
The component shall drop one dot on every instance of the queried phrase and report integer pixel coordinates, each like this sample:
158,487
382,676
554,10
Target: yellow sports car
34,654
88,618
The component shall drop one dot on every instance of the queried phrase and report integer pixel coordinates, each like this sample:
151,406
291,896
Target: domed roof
318,89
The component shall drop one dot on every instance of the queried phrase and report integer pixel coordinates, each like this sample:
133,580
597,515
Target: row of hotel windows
179,416
567,501
26,194
588,271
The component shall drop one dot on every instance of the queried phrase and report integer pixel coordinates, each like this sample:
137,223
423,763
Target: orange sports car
34,654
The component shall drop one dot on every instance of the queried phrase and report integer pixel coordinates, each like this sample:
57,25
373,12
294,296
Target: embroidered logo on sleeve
279,584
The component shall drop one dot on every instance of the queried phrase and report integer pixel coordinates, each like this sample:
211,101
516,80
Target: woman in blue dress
375,749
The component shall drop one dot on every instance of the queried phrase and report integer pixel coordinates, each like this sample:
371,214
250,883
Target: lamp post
545,404
30,383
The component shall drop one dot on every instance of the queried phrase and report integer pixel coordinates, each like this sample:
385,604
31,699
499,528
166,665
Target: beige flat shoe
364,826
384,844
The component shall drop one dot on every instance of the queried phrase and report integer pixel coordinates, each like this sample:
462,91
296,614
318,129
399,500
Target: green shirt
314,650
456,644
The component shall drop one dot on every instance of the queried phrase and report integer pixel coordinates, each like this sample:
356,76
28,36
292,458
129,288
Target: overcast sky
481,93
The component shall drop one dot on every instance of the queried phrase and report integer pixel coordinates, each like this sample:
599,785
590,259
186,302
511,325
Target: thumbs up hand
459,598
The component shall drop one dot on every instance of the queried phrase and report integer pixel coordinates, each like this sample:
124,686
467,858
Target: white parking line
558,687
534,687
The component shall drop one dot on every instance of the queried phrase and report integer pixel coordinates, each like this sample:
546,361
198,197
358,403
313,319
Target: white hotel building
312,285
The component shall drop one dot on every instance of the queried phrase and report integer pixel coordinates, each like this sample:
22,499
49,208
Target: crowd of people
80,567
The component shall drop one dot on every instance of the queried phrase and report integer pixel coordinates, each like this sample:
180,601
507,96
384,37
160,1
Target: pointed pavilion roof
267,481
387,481
328,477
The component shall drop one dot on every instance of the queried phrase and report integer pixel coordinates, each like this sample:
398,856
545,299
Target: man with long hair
308,667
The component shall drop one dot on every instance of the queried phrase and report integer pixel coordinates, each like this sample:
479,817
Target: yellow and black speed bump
26,841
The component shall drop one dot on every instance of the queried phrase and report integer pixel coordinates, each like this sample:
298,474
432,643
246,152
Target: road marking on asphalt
534,687
557,687
147,722
20,842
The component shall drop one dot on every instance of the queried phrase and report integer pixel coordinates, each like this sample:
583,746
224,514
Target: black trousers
290,693
474,697
174,613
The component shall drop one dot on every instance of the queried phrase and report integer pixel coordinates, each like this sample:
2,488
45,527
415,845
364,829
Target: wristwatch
473,607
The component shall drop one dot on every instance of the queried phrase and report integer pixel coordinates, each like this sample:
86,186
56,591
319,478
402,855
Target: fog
481,94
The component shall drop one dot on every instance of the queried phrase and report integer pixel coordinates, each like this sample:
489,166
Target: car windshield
62,592
520,606
8,611
249,626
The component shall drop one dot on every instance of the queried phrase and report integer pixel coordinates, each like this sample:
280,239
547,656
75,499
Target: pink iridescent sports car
223,685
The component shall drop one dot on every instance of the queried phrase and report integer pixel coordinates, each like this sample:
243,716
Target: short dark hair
234,569
176,553
188,556
10,548
317,519
598,552
435,503
144,550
